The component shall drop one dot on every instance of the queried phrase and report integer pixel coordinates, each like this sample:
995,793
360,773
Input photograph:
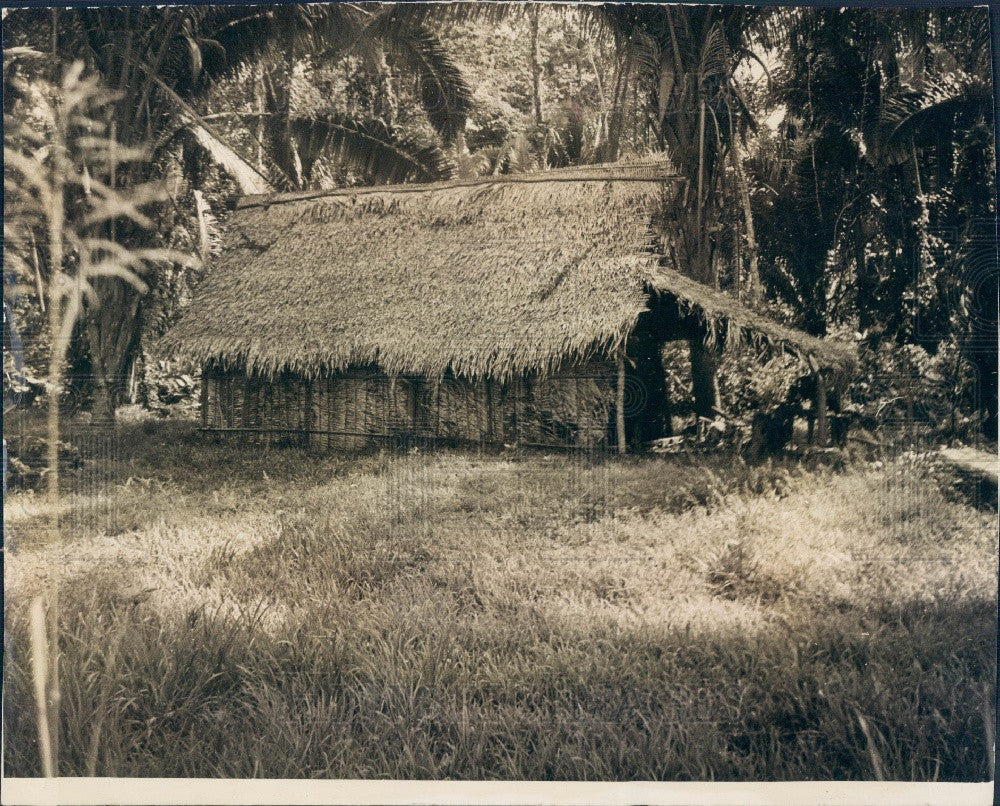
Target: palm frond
370,147
246,176
234,36
444,93
516,156
935,107
715,58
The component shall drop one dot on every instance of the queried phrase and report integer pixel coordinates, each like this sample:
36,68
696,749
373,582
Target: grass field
240,612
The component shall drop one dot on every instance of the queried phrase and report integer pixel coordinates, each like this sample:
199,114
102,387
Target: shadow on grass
445,695
176,452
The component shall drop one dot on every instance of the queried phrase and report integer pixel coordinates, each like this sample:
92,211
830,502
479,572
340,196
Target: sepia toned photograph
509,392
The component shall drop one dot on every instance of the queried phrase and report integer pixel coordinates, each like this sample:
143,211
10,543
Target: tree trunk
704,380
56,363
103,407
282,147
536,66
620,405
112,333
386,102
615,118
867,281
753,273
822,421
57,348
261,109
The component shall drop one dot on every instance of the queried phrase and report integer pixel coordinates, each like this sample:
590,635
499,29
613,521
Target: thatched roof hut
479,279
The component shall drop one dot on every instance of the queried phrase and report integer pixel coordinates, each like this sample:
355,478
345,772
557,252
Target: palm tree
163,60
56,203
294,139
685,59
950,116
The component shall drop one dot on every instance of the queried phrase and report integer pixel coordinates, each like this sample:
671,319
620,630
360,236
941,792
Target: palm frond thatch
481,278
731,324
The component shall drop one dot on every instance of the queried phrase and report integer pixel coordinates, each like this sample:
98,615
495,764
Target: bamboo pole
204,397
620,404
606,172
822,421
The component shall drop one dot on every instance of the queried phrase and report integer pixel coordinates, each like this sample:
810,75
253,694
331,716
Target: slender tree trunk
822,420
536,65
704,380
615,118
620,405
201,208
54,40
867,281
753,272
56,363
57,360
57,354
701,171
387,104
283,147
259,107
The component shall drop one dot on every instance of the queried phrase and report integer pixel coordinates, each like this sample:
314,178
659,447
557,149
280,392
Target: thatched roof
482,277
733,324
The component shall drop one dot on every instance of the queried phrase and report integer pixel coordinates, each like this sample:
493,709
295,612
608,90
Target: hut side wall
265,410
574,405
357,409
360,408
570,407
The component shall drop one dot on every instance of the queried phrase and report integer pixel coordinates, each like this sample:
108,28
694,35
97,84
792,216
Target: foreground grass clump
247,612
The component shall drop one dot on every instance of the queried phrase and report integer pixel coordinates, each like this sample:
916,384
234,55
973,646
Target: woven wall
361,409
574,406
349,410
265,410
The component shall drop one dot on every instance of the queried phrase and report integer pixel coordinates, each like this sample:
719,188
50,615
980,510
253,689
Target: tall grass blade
40,673
989,721
873,752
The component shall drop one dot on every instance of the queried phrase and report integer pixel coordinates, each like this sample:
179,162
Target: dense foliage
714,614
874,192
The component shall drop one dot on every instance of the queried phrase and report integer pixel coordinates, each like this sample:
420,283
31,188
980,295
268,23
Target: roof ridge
639,171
